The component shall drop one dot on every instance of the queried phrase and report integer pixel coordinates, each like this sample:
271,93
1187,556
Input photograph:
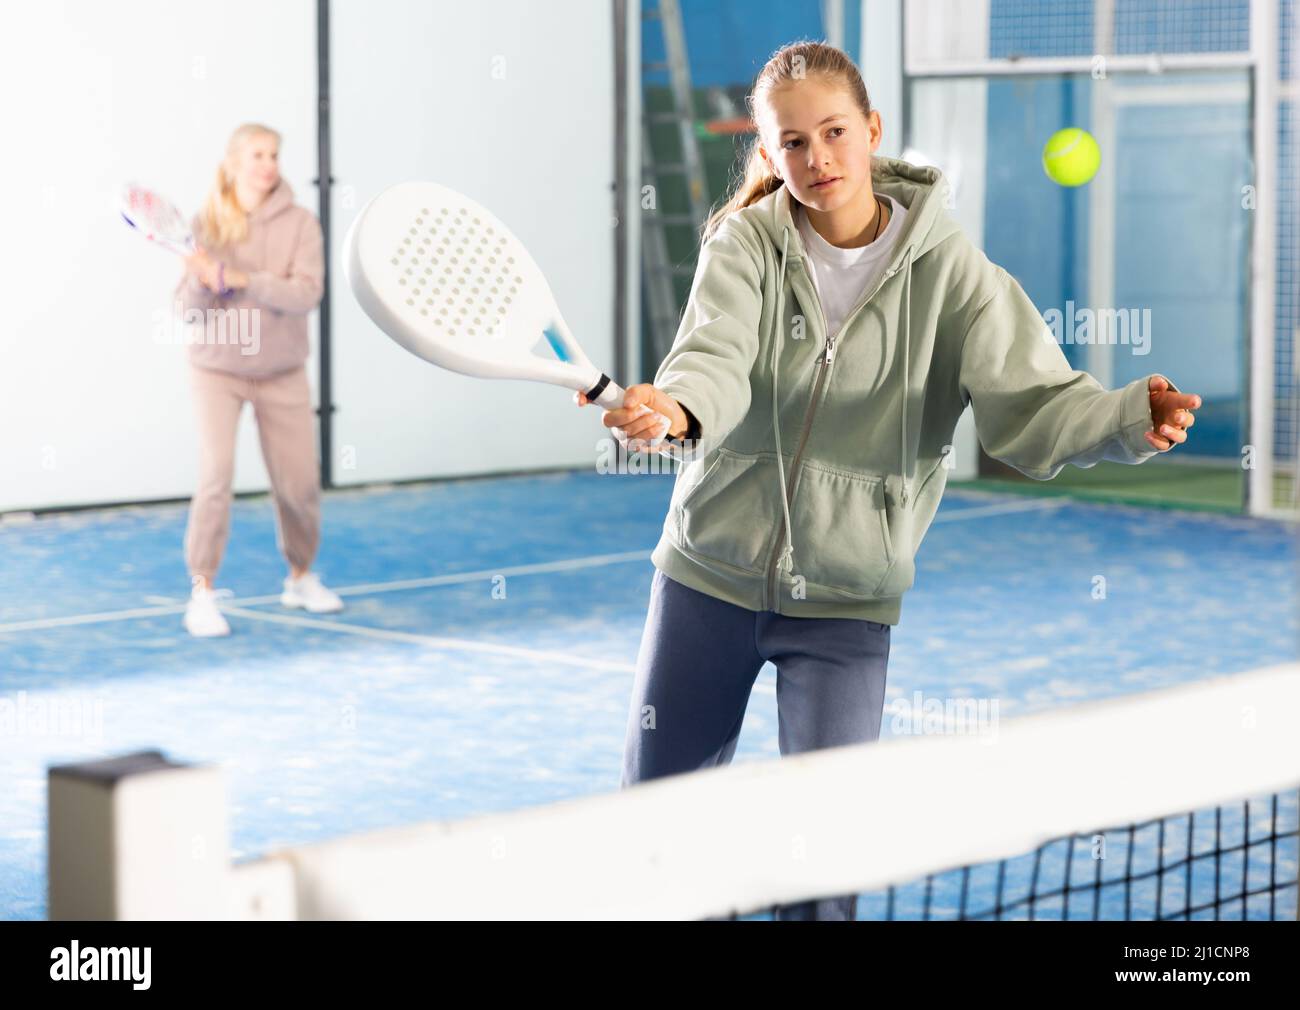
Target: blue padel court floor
485,658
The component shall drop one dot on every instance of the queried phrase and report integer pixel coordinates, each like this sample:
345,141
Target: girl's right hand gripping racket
443,277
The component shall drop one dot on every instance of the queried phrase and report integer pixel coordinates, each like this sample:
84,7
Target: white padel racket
442,276
156,218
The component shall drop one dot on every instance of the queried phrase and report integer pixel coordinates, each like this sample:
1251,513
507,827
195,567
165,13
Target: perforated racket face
453,272
156,217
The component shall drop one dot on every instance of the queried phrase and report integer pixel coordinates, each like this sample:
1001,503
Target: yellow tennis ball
1071,156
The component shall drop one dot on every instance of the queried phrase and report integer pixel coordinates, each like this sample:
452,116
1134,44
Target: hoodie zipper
824,363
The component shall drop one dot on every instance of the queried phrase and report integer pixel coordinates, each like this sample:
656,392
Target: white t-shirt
843,276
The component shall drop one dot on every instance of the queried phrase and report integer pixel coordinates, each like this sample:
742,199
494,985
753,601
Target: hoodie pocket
730,514
843,536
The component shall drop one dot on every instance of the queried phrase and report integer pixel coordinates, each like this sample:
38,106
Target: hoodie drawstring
907,341
786,561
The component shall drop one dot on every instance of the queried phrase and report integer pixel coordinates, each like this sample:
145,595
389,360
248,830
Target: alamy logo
924,715
212,326
1099,326
101,964
70,715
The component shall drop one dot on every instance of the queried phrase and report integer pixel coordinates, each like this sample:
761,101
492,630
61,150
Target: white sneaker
203,619
307,592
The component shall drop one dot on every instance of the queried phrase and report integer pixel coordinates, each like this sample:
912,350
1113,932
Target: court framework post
323,182
137,837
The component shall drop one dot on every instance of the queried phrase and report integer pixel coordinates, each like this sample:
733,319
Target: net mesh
1231,862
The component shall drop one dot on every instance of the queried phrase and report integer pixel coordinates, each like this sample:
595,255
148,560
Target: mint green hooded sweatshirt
821,461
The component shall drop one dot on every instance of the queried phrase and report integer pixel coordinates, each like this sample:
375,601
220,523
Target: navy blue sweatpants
697,664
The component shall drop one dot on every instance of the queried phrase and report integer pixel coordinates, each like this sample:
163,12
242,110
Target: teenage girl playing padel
838,325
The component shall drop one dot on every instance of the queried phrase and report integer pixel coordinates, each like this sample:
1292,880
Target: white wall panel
511,102
92,408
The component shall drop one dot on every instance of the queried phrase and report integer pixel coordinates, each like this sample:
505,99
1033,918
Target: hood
919,189
277,202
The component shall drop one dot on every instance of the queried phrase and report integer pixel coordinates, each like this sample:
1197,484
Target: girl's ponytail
757,181
222,221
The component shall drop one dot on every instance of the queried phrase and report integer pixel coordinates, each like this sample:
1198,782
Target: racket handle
609,394
606,393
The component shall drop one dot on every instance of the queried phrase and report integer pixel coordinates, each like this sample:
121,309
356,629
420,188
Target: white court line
111,615
435,641
980,511
440,642
570,564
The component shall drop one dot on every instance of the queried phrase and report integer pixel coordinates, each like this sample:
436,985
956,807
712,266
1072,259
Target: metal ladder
665,310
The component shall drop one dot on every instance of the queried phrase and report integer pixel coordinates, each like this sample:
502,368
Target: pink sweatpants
286,427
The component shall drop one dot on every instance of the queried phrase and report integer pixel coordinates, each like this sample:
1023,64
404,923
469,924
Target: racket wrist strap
593,394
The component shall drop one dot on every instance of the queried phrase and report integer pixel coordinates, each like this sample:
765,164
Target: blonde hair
222,221
793,62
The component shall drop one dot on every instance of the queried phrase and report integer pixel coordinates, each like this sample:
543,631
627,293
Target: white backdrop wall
92,408
510,102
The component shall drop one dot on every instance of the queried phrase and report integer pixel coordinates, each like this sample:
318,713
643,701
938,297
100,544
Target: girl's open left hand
1171,415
